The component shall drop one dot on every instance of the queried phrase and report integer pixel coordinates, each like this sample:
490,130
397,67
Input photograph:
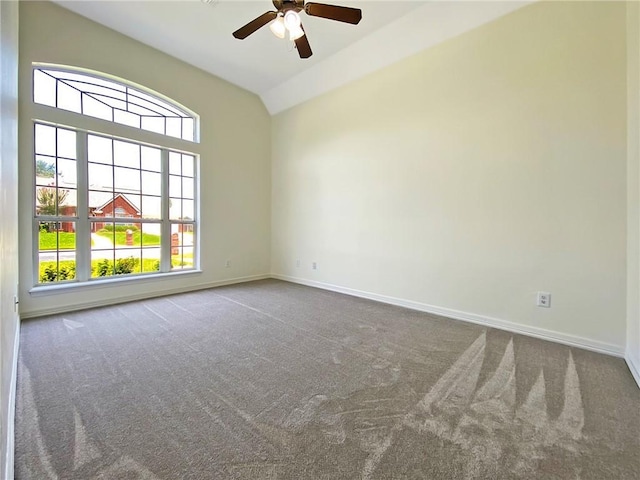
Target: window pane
44,89
130,238
188,210
102,263
151,159
176,247
188,129
127,203
126,179
187,187
100,149
174,127
151,242
56,251
45,170
67,201
67,173
151,183
175,208
151,207
98,202
150,260
176,258
151,235
95,108
175,163
50,200
45,140
66,143
187,165
100,177
153,124
175,186
126,118
68,98
176,235
126,154
187,257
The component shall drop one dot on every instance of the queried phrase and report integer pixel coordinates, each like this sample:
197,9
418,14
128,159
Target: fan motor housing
284,5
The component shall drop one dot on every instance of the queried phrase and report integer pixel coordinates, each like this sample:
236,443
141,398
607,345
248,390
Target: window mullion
83,228
165,243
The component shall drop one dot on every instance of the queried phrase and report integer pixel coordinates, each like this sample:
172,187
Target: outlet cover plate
544,299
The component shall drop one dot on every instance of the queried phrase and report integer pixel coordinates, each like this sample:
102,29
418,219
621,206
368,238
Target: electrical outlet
227,264
297,263
544,299
314,266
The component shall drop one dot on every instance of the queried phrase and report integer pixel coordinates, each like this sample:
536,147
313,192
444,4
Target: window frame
84,126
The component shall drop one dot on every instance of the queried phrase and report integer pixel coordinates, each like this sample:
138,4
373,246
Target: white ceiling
199,32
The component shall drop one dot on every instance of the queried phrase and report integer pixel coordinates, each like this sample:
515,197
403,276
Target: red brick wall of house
67,210
109,209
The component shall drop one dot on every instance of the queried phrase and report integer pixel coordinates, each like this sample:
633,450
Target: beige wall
235,152
467,178
633,188
8,227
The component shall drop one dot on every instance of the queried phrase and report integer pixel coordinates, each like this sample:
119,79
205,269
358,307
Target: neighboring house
119,206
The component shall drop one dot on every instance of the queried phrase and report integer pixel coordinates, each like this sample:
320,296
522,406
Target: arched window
110,100
123,199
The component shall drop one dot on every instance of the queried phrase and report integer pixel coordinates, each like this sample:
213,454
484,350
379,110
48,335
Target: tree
49,198
44,169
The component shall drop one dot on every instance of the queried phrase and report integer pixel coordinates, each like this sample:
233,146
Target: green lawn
48,241
148,239
183,261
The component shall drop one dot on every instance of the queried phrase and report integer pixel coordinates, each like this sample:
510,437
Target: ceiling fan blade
253,25
302,44
334,12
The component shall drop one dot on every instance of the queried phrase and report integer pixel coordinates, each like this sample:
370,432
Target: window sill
63,288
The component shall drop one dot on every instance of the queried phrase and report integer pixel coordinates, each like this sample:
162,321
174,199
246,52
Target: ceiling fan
287,18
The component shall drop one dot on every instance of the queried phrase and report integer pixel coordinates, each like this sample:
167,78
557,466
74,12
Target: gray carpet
271,380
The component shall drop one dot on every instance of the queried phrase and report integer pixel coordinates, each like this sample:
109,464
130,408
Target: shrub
52,274
122,266
125,265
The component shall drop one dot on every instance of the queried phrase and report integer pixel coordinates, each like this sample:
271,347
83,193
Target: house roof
112,199
98,198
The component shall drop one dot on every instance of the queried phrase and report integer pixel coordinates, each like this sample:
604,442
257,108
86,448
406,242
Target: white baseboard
634,365
132,298
11,419
544,334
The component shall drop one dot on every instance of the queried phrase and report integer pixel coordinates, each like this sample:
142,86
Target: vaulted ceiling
199,32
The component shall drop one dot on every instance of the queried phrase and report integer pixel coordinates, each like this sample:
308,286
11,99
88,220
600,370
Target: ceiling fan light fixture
278,28
292,20
296,33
